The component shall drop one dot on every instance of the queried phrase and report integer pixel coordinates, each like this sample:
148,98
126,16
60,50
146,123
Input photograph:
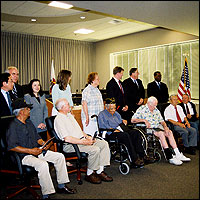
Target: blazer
113,90
4,108
194,118
20,93
133,93
39,112
161,94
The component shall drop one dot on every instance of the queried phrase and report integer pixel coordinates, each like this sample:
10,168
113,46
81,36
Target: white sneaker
182,157
175,161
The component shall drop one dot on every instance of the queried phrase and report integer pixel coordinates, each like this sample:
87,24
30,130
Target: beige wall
158,36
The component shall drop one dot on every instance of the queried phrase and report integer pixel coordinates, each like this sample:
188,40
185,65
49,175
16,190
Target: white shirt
190,108
66,125
170,113
5,96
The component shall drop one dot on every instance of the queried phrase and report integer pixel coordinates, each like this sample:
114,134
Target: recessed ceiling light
83,31
60,5
82,17
33,20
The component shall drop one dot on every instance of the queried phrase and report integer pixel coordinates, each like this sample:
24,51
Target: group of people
124,105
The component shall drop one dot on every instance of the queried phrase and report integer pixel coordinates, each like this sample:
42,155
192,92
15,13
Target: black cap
20,103
110,100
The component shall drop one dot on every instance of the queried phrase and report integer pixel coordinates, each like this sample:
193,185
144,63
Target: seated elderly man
98,150
23,138
109,118
190,112
174,114
151,116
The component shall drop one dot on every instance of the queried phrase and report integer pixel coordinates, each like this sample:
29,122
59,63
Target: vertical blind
33,55
168,59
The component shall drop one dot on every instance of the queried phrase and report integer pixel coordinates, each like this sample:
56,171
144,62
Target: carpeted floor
155,181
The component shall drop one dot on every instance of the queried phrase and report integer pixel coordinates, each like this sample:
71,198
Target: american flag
53,79
184,85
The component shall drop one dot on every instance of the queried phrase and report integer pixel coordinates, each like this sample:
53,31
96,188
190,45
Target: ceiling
108,19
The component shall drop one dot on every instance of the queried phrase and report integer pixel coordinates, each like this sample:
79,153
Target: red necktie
177,115
187,109
121,87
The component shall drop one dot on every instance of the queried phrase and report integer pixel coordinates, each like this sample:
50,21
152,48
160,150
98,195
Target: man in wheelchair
111,120
152,118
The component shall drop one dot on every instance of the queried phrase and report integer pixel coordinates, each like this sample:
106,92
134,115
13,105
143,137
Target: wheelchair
151,143
118,151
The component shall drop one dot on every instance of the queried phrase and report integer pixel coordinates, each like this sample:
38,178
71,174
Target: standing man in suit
134,91
114,89
158,89
17,91
5,99
190,112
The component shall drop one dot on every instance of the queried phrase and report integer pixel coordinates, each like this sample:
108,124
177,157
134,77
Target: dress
161,93
130,138
189,135
25,135
95,105
57,94
98,153
39,112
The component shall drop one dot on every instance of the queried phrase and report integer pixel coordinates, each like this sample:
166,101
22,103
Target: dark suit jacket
133,93
194,118
20,92
113,90
4,109
161,94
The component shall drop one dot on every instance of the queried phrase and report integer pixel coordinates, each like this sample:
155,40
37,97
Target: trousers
41,166
98,153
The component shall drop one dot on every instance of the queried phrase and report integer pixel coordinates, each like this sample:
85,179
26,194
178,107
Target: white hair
16,111
60,103
9,68
173,95
152,99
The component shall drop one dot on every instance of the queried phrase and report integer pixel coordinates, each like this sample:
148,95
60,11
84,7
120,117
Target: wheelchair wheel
124,168
157,156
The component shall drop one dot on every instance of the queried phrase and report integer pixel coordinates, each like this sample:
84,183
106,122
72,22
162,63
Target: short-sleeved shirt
57,94
66,125
94,100
154,118
107,120
20,134
170,113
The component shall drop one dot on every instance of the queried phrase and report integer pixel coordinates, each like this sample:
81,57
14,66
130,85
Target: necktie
14,91
159,85
187,109
177,115
9,102
136,83
121,87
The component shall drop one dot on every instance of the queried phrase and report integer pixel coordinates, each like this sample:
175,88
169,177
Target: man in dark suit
134,91
189,109
5,100
114,89
158,89
17,91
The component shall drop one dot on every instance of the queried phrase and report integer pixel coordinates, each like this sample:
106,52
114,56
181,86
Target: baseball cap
20,103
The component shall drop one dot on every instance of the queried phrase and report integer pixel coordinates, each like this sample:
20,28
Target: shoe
148,159
104,177
93,178
66,190
182,157
190,150
137,164
175,161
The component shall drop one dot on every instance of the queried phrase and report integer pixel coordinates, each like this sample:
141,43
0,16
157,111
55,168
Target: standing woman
92,103
39,112
62,89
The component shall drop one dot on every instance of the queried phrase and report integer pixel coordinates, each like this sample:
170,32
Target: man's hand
35,151
189,116
140,101
125,108
148,125
124,121
88,141
42,126
181,125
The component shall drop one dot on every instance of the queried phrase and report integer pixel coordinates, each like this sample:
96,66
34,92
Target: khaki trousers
41,166
98,153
